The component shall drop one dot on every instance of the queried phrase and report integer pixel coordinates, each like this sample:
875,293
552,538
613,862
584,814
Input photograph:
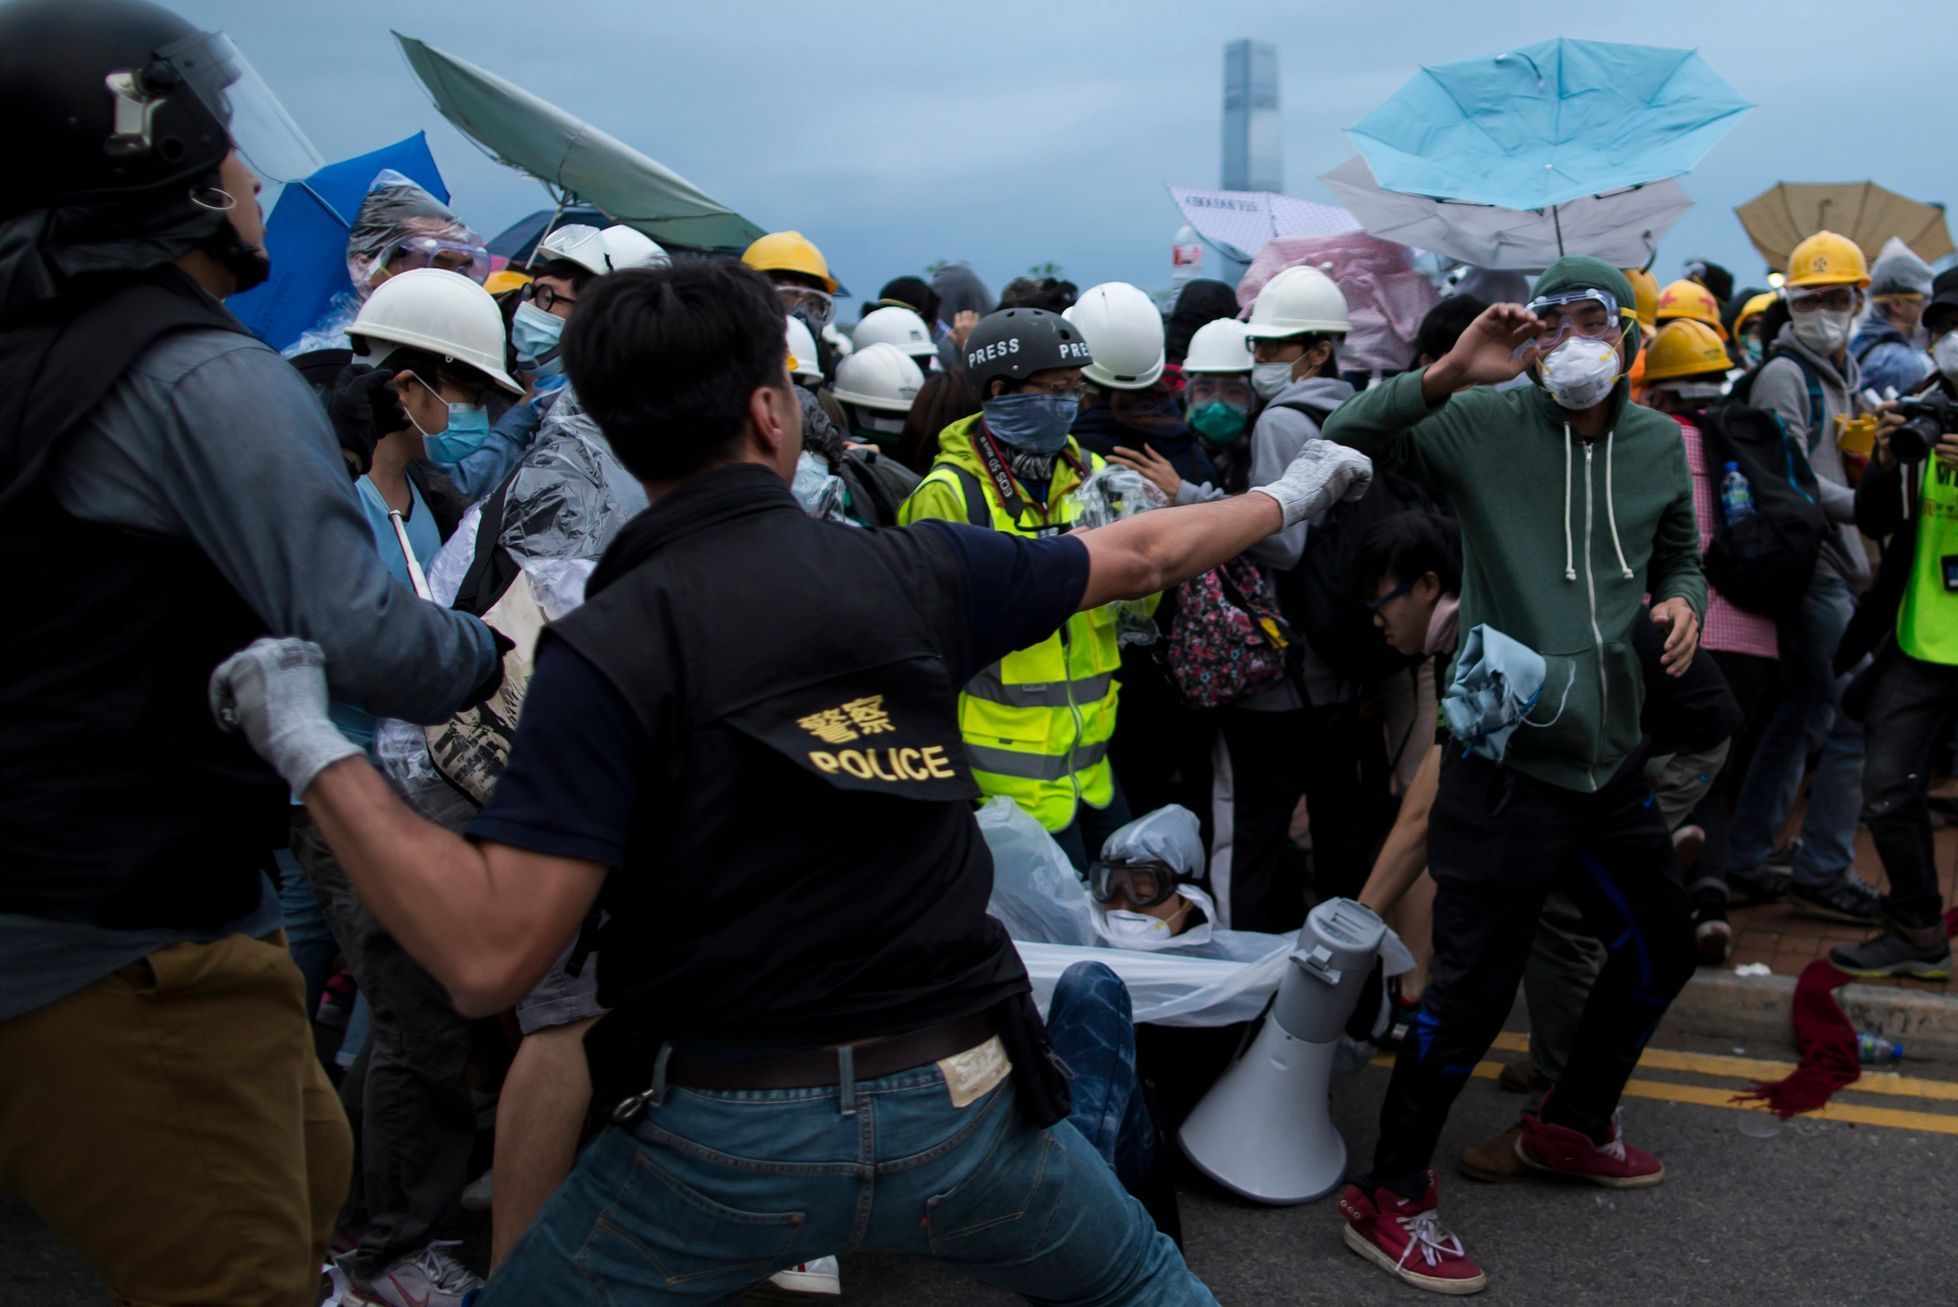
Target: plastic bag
1221,977
1109,495
397,207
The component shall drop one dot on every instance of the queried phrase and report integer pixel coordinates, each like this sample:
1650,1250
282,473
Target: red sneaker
1403,1236
1616,1165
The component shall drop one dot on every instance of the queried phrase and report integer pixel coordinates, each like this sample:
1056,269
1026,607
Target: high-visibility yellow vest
1927,620
1036,723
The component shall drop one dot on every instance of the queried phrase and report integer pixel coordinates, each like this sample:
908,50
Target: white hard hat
439,311
579,244
630,248
895,325
1297,301
878,376
1219,346
1123,327
802,352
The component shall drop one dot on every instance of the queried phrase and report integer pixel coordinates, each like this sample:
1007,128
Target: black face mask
249,264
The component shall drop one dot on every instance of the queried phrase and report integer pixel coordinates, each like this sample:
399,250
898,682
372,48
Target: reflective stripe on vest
1034,766
1039,694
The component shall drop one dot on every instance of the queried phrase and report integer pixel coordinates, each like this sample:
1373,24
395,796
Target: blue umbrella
1548,123
306,237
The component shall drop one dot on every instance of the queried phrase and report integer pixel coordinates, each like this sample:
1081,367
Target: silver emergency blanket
564,504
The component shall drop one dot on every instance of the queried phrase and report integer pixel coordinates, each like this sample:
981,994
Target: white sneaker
431,1277
476,1195
821,1276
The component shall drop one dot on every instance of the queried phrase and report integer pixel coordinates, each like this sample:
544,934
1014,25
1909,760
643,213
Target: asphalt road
1825,1212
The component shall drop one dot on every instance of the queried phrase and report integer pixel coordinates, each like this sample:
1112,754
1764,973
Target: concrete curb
1754,1010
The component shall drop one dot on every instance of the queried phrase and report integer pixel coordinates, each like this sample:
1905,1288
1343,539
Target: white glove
1323,474
275,692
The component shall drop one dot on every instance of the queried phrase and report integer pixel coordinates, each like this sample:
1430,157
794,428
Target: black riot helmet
110,100
1016,343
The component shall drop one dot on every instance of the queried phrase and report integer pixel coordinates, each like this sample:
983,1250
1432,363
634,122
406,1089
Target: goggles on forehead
410,252
1587,313
1144,884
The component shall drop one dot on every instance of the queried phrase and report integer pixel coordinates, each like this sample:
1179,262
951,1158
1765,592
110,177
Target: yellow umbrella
1787,213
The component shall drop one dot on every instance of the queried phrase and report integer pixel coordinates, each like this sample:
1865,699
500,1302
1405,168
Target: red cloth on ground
1825,1039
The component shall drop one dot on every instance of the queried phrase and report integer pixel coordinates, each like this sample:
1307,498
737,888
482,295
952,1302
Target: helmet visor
270,142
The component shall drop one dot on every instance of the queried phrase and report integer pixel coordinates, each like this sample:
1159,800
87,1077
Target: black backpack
1320,600
1762,563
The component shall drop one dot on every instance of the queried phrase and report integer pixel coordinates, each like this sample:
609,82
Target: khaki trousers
171,1122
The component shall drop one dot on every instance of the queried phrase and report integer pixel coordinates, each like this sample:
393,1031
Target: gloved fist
363,407
275,692
1323,474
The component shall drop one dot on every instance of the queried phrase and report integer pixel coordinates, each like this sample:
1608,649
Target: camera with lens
1926,418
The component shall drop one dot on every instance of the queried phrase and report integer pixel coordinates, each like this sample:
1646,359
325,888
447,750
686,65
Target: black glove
363,407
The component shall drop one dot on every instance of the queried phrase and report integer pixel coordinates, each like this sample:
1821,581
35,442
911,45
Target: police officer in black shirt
744,748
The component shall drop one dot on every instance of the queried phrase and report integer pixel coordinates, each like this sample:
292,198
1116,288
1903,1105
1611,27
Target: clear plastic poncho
1204,978
565,503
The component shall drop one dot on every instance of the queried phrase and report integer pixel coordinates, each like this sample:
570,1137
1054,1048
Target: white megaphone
1263,1131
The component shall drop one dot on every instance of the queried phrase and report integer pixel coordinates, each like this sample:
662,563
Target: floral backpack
1227,639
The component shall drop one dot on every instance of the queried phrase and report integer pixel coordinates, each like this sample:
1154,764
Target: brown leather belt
817,1067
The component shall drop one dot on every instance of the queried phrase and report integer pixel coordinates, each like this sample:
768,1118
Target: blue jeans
711,1192
1806,718
312,945
1092,1027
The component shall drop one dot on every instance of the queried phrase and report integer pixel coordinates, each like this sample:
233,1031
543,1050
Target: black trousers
1498,842
1338,761
1907,706
1752,680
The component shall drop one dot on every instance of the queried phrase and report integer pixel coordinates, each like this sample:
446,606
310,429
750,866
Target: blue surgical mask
468,428
1034,420
535,334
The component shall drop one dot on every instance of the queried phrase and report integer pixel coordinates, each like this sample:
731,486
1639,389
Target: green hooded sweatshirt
1562,538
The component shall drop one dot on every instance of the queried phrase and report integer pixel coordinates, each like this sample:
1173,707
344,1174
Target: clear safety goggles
1587,314
817,306
1232,388
1836,299
1144,884
213,70
411,252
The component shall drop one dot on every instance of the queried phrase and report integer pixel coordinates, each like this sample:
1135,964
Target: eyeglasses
411,252
1836,299
1143,883
1281,350
1389,597
1070,389
544,297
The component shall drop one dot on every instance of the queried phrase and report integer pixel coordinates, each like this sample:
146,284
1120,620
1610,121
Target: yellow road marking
1717,1096
1748,1068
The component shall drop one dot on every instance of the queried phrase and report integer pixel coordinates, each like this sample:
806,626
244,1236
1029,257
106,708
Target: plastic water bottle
1736,496
1875,1050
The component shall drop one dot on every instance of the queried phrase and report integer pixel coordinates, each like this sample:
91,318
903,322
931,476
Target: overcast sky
1008,134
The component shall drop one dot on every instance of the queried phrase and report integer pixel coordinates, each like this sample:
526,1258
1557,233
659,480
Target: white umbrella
1240,222
1621,227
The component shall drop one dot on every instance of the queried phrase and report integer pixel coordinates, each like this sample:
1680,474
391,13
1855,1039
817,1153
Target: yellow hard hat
1685,348
1691,302
505,279
1826,259
789,251
1754,308
1645,293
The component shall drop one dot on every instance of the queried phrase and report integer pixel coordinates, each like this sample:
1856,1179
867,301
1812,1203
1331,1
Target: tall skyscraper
1254,155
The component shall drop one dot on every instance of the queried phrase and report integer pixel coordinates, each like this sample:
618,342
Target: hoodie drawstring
1610,509
1570,569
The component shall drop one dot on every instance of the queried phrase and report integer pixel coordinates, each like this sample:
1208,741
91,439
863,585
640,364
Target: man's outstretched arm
1150,552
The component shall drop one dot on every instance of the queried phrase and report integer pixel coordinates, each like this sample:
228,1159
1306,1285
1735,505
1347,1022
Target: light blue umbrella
1548,123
